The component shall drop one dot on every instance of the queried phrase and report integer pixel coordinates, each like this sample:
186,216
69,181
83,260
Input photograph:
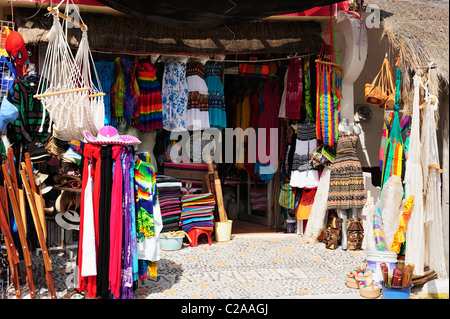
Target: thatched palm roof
122,33
419,31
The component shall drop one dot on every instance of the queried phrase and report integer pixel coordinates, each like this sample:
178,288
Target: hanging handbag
390,88
381,91
287,196
323,155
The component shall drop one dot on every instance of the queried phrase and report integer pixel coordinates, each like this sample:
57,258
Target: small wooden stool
195,233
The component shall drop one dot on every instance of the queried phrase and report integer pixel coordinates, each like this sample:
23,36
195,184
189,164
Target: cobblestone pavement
246,267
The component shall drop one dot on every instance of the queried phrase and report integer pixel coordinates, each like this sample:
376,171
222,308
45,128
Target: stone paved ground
246,267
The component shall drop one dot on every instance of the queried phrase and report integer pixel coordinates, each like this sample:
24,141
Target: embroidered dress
303,174
216,98
174,95
150,108
197,107
346,177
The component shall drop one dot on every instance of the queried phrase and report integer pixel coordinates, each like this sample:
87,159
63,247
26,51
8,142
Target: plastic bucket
375,257
396,292
222,230
170,243
291,225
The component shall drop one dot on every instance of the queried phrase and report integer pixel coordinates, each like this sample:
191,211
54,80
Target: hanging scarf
116,225
91,173
104,221
133,224
127,270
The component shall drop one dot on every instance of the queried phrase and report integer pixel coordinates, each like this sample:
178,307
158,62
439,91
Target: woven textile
169,193
197,212
346,178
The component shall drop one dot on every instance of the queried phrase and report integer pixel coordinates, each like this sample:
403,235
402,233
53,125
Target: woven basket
351,283
370,293
366,277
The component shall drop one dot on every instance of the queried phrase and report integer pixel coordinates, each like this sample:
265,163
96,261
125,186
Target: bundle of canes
36,205
13,256
10,176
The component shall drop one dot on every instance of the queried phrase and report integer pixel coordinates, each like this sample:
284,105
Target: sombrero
109,135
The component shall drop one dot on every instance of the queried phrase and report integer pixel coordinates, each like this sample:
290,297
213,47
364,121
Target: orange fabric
306,202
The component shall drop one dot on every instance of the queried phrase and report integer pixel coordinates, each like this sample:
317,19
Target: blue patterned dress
174,96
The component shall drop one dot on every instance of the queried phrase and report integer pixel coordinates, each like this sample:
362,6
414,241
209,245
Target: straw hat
69,220
66,199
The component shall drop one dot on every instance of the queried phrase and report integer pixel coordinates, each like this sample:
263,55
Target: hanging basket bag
381,91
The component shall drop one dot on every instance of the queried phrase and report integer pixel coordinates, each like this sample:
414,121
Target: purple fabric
127,263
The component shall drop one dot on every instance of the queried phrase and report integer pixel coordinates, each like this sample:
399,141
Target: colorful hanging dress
174,95
150,108
346,177
216,97
303,174
197,107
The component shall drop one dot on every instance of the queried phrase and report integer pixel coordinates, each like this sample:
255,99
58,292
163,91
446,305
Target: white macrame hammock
415,239
434,236
66,89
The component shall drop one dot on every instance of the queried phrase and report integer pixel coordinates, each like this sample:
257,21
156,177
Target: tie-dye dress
148,218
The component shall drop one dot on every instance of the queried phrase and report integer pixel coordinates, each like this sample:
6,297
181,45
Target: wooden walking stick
37,193
19,192
40,234
13,256
218,190
23,240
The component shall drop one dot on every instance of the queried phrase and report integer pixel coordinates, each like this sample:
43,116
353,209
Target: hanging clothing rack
211,59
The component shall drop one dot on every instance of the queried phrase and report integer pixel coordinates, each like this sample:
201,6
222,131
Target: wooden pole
37,96
218,191
63,16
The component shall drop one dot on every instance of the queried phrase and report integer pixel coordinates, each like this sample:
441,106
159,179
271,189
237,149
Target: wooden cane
13,256
28,167
218,190
40,234
20,228
19,192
